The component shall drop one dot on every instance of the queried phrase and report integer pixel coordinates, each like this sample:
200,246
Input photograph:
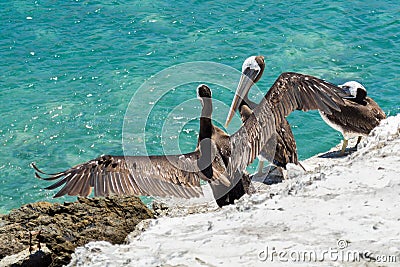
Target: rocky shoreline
46,234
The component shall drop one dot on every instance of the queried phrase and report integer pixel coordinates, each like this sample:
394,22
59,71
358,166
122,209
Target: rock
60,228
139,229
41,257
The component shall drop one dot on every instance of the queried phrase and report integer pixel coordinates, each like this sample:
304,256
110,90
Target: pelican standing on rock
358,116
252,70
219,159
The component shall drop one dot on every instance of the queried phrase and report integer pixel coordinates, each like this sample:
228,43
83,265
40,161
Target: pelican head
203,91
252,70
204,94
355,89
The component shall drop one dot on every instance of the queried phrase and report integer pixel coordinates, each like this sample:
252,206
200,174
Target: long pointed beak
245,83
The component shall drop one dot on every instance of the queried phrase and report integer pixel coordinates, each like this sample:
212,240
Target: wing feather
99,190
58,183
79,187
85,184
117,175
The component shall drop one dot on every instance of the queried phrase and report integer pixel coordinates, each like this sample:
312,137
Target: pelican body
358,115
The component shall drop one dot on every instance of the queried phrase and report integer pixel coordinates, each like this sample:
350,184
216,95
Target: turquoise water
69,70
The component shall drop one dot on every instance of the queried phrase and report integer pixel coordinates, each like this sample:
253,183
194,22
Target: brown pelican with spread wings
219,159
306,88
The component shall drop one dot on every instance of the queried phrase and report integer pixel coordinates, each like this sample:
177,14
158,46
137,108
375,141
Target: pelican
219,159
176,175
358,116
252,70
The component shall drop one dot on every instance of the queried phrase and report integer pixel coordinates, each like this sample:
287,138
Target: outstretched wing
291,91
295,91
176,175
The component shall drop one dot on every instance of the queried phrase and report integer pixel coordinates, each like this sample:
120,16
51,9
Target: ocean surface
69,69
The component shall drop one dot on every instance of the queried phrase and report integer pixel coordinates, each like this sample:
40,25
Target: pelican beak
246,81
345,88
346,91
